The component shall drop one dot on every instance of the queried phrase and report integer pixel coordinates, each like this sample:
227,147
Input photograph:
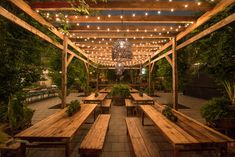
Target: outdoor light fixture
119,68
122,51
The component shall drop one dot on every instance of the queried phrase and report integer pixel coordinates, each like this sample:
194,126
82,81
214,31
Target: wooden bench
93,142
141,143
186,134
106,105
10,147
129,106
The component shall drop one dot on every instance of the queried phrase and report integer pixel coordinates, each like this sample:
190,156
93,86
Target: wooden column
149,80
88,77
174,75
97,79
64,73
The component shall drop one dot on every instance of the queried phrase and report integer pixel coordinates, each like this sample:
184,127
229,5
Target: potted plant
73,107
96,94
119,92
167,112
218,113
141,93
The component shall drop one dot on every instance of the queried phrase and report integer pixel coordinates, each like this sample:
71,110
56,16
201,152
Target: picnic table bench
56,130
129,106
93,142
145,99
186,134
95,99
141,142
105,90
106,105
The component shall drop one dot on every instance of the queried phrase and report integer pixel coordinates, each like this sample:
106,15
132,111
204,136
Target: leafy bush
96,94
120,90
18,115
217,108
167,112
73,107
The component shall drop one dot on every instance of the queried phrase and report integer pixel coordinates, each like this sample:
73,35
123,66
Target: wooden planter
119,101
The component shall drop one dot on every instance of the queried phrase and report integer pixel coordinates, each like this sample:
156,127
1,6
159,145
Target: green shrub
120,90
19,115
167,112
215,109
96,94
73,107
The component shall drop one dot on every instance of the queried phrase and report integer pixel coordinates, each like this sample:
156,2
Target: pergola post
149,80
88,77
64,73
174,75
97,79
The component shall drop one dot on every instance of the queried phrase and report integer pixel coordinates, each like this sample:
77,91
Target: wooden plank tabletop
132,90
92,97
105,90
173,132
58,125
137,97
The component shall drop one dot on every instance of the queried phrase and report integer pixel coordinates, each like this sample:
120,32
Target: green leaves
215,109
73,107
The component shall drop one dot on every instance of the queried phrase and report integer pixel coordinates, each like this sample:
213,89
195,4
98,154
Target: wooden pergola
151,26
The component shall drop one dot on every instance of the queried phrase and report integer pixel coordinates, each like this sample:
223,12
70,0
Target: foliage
215,109
73,107
120,90
167,112
76,73
164,70
19,60
230,89
96,94
19,115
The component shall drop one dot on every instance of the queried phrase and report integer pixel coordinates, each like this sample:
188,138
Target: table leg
67,149
142,118
23,150
94,114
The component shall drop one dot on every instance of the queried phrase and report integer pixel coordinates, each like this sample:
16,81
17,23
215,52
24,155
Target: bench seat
141,143
106,104
129,106
93,142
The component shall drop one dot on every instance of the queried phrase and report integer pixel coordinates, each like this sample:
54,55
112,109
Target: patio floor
117,142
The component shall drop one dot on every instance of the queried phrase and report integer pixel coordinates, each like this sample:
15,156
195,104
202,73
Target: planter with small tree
119,93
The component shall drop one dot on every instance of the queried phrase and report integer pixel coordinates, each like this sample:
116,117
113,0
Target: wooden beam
33,30
149,73
152,66
127,67
128,19
27,9
169,60
203,19
109,45
130,28
204,33
126,5
95,40
174,75
64,73
69,60
120,35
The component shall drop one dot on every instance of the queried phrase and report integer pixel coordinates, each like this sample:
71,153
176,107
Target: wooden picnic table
145,99
56,130
197,137
133,90
92,99
105,90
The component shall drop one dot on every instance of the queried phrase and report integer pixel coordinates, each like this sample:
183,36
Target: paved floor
117,143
